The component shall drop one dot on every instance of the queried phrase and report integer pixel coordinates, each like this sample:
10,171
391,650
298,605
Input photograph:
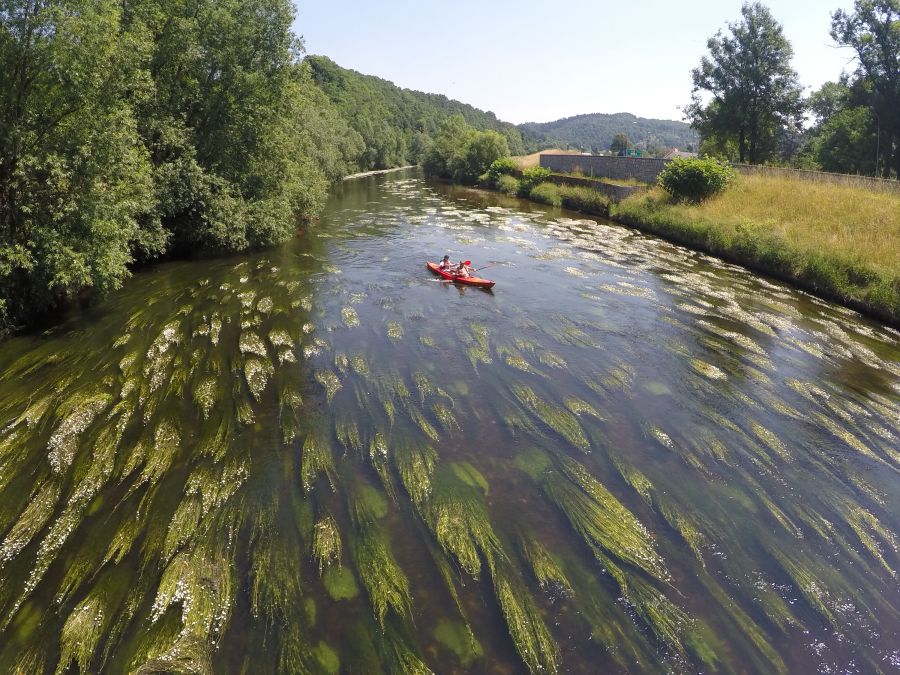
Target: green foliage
177,127
546,193
462,153
532,177
755,91
508,185
845,142
505,166
583,199
694,179
397,126
872,29
620,144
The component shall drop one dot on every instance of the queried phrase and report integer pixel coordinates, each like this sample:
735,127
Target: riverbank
379,171
838,242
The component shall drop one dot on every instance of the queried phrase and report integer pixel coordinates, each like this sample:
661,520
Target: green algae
457,637
347,433
350,317
478,354
423,424
469,475
327,658
552,360
340,583
533,462
445,417
395,331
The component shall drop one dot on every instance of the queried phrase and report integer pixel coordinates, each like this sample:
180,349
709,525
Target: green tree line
136,129
748,103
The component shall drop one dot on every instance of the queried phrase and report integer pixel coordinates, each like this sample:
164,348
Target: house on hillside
675,152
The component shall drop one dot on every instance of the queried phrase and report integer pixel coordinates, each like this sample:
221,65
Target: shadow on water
626,457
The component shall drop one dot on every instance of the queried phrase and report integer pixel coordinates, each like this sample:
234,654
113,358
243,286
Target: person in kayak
445,264
463,270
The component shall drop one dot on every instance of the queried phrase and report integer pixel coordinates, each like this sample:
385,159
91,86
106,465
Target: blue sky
539,61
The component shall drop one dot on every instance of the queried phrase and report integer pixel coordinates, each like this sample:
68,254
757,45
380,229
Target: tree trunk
742,146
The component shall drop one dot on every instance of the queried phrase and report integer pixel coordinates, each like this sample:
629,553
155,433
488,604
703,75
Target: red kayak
467,281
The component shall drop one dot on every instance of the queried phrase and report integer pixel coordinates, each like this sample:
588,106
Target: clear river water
626,457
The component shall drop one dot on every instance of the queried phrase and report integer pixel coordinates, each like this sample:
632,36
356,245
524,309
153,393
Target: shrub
693,179
505,166
508,184
531,177
546,193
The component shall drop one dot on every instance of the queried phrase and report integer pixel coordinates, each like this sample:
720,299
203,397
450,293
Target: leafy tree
462,153
620,144
845,142
872,29
754,89
74,178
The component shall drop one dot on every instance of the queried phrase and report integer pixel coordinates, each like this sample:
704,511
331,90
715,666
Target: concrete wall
644,169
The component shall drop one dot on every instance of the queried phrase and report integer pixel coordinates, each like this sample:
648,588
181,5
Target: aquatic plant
326,543
456,514
31,520
329,381
205,395
549,575
601,520
529,634
423,424
384,581
559,420
82,632
77,413
415,464
316,459
290,404
395,331
350,317
257,372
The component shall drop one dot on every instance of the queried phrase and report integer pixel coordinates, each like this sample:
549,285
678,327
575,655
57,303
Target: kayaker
445,264
462,270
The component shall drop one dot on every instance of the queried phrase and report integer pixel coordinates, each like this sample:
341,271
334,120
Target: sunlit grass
842,240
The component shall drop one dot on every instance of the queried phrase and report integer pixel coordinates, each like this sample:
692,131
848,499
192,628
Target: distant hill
396,124
596,132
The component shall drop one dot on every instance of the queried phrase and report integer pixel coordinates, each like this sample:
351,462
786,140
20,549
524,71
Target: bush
531,177
693,179
508,184
546,193
505,166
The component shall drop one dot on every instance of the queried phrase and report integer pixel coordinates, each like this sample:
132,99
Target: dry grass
840,241
534,159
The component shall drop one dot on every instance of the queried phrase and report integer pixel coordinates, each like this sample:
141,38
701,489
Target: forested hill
596,132
396,124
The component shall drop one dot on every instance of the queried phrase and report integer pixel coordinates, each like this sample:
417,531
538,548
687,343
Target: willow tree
754,90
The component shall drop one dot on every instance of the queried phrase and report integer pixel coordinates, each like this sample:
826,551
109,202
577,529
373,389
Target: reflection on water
628,457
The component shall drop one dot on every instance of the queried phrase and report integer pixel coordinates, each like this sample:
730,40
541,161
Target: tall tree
620,144
74,177
872,29
755,92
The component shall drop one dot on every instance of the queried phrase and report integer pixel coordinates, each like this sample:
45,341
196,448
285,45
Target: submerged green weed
533,641
316,459
329,381
385,583
326,543
415,464
564,423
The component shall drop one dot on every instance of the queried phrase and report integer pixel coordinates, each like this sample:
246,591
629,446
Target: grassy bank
839,242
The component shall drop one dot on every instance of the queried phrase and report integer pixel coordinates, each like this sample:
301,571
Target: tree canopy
754,91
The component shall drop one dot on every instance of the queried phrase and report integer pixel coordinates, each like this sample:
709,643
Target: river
626,457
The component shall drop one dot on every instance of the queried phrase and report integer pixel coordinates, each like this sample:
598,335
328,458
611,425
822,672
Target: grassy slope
840,242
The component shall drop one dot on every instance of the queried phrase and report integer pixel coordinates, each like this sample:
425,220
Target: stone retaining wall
644,169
